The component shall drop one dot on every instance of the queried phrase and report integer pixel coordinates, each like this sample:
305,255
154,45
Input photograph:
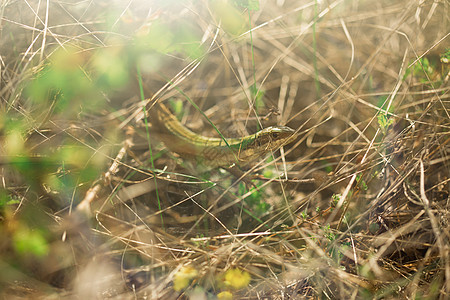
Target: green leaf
249,4
179,36
231,19
64,85
177,107
445,57
258,95
384,122
6,200
361,182
110,68
28,241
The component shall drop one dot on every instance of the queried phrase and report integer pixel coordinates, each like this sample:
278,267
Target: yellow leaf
225,296
237,279
183,277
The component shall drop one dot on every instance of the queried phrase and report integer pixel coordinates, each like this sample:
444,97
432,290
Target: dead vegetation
356,208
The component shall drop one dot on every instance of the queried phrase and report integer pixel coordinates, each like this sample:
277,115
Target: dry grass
357,208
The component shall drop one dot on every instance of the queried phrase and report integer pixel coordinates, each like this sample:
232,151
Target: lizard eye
274,135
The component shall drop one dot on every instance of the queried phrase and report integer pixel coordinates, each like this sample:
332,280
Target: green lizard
215,151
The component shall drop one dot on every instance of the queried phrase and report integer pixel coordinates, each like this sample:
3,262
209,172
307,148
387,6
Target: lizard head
273,137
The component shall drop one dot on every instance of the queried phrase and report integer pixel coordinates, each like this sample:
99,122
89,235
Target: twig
85,205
